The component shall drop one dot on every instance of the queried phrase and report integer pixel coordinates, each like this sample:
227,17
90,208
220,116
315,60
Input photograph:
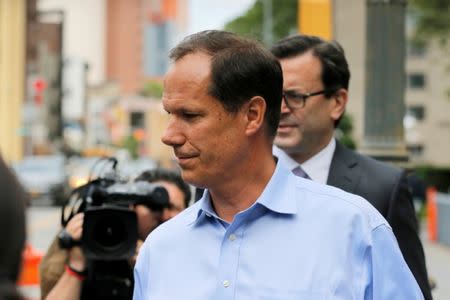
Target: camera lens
109,232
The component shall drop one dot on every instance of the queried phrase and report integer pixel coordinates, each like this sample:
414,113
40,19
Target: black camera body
110,232
110,226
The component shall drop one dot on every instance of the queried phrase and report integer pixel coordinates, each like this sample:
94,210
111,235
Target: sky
213,14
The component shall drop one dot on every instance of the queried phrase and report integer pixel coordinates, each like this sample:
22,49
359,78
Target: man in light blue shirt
259,232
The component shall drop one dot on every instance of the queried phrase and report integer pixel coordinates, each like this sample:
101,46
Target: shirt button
226,283
232,237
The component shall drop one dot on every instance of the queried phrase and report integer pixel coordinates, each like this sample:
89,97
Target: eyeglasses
295,100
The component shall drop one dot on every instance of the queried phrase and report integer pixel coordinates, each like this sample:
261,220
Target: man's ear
255,111
340,101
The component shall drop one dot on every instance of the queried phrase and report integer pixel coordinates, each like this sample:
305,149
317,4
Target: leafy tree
132,145
433,20
344,131
152,89
250,24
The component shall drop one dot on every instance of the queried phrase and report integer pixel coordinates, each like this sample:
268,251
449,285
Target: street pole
267,22
52,32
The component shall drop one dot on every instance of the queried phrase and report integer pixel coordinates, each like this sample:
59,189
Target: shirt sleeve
390,276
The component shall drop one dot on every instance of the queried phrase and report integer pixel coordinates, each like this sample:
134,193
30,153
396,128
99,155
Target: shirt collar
276,196
317,167
284,157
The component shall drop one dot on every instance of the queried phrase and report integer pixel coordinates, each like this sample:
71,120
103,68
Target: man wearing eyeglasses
316,78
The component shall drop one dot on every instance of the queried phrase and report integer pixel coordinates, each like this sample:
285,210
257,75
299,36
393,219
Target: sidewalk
437,257
438,265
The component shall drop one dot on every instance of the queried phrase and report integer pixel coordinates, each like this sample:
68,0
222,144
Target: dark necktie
300,173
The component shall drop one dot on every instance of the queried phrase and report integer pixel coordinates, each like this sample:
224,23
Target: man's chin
191,178
284,144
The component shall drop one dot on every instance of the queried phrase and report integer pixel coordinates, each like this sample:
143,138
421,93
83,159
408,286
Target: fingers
75,226
75,229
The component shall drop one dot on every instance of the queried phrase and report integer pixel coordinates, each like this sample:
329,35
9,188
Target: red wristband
77,274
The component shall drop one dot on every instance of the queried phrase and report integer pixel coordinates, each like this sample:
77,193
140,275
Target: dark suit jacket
386,188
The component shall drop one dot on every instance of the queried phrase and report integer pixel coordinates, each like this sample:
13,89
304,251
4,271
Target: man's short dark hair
168,176
240,69
335,72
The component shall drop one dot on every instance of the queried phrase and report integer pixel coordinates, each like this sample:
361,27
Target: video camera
110,230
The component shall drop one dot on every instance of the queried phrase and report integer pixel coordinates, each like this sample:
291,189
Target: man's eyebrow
290,90
293,91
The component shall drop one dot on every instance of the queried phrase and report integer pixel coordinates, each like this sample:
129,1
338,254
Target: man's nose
172,135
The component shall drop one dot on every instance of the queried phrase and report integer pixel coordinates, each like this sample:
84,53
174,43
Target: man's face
302,132
149,220
206,139
176,200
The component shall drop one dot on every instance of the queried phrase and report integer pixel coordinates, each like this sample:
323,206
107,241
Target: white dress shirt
317,167
299,240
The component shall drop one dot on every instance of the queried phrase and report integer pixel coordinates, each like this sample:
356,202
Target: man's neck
303,156
236,195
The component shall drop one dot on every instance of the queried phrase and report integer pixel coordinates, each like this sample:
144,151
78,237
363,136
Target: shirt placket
229,261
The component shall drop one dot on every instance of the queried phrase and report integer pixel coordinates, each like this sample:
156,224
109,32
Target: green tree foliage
344,131
250,24
434,176
152,89
432,23
433,20
132,145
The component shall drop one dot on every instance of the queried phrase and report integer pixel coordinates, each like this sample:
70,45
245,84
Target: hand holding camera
74,231
105,222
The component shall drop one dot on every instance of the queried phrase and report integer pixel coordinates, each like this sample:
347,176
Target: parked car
83,169
44,176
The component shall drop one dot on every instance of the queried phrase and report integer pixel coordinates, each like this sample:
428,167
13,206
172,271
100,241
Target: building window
416,111
416,80
415,150
137,120
157,43
416,50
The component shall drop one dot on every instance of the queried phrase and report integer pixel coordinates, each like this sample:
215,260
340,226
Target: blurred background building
426,91
13,16
85,76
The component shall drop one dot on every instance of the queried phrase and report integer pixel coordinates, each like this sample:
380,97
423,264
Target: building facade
427,97
12,77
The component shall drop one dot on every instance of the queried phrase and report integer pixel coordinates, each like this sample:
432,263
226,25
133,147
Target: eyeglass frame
301,96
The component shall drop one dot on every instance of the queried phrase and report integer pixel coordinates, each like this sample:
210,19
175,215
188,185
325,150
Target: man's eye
295,95
190,115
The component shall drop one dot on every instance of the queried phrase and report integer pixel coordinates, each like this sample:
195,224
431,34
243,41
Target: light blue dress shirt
300,240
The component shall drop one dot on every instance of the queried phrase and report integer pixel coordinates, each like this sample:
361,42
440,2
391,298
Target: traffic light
39,86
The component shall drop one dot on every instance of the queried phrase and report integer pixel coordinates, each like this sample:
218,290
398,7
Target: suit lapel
344,169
